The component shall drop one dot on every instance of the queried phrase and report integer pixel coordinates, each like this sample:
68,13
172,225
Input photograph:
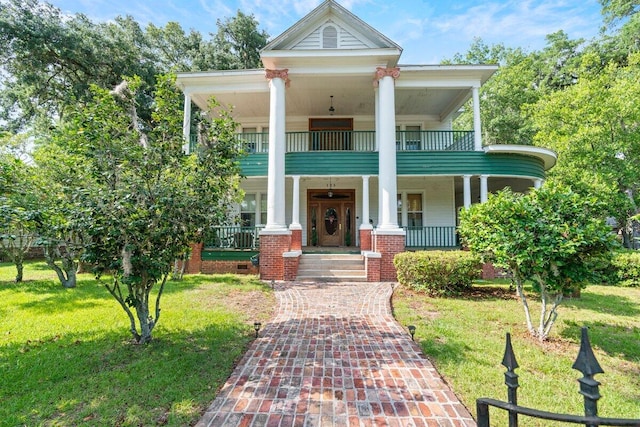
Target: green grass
465,339
66,356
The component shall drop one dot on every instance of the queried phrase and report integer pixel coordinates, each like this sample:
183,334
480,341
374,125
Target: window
413,209
412,137
248,211
329,37
263,209
249,215
250,138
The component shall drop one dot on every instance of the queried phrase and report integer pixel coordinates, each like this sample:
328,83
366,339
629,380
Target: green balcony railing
431,237
363,141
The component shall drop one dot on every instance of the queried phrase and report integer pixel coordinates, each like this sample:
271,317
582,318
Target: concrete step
332,267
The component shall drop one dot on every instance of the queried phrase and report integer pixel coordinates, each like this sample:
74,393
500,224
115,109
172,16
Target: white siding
439,209
346,40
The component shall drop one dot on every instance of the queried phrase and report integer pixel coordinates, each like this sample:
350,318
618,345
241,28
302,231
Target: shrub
627,268
437,272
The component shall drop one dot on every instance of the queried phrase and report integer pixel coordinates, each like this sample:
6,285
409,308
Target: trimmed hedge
437,273
626,266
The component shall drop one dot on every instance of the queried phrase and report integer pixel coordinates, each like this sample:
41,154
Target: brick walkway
334,356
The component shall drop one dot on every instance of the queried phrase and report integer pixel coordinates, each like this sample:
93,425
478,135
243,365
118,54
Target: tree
523,78
551,236
145,201
19,213
594,126
238,43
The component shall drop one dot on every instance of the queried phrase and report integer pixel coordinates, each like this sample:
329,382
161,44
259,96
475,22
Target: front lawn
465,339
66,356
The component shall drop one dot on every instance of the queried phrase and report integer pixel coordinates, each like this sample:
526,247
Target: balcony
362,141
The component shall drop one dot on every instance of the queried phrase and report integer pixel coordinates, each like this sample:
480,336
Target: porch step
332,267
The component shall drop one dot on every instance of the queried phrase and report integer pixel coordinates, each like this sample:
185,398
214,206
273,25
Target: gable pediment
330,26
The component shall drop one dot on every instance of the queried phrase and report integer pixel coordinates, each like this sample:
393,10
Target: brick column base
194,263
365,239
272,248
388,245
296,239
372,266
291,262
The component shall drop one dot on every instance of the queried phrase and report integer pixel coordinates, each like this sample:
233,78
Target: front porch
237,242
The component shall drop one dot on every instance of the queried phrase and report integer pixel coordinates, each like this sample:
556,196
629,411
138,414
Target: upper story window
329,37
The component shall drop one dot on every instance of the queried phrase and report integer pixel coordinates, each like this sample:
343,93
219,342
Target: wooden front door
331,218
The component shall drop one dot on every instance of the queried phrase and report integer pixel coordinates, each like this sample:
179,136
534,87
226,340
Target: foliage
238,43
64,358
140,201
627,268
437,272
50,60
20,215
523,78
594,126
551,236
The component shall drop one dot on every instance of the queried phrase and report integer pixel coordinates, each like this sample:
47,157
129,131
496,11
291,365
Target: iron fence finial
587,363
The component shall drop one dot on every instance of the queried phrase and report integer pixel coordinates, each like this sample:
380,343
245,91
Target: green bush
437,273
627,268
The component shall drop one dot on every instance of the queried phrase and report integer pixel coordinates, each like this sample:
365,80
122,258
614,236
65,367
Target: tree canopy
51,60
551,236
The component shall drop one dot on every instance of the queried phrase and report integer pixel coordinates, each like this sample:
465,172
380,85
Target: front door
331,219
331,228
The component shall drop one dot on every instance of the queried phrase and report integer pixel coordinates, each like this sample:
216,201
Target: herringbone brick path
334,356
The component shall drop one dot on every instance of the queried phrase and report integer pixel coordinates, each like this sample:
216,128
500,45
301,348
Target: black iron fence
586,363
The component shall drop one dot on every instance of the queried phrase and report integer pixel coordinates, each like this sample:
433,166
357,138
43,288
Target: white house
350,149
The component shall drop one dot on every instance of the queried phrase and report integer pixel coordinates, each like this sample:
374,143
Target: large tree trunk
19,271
66,274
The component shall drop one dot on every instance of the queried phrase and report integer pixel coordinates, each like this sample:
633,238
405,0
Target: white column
387,152
295,215
477,124
186,123
483,188
377,117
275,180
466,180
365,204
537,183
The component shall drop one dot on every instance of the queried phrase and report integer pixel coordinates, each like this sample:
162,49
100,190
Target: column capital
382,72
278,74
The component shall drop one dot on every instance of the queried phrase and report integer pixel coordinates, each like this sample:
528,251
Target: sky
428,31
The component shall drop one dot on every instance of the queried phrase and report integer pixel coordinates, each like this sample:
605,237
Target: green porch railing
435,140
363,141
233,238
431,237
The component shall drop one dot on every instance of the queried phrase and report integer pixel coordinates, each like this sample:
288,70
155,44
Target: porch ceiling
309,93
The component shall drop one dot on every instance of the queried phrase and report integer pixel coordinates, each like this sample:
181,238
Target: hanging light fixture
331,109
330,192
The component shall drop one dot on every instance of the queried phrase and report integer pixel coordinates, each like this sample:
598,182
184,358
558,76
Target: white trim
549,157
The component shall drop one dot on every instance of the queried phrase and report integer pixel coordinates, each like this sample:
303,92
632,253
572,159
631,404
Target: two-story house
350,149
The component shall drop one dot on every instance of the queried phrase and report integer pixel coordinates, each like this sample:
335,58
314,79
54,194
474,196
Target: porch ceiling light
331,109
